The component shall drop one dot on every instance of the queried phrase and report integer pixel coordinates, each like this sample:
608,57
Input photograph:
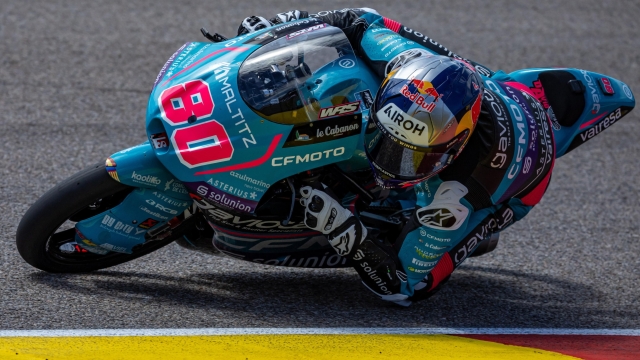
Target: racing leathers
501,174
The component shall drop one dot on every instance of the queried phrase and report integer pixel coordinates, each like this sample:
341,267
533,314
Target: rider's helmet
423,115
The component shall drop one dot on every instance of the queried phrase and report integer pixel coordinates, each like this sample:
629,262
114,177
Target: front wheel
46,233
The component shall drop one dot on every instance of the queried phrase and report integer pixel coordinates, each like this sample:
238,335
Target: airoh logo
403,125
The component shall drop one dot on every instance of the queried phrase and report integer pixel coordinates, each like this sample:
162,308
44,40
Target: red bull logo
424,90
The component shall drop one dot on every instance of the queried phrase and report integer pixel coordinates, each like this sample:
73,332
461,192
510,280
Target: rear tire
89,192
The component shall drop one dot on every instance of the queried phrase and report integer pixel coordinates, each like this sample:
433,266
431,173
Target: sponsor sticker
111,247
605,85
160,140
249,223
347,63
241,200
326,261
365,98
145,179
423,91
148,224
627,92
306,31
116,225
338,110
168,63
175,186
307,157
609,120
402,125
243,177
154,212
591,92
119,228
241,127
553,118
110,164
268,34
326,130
301,137
538,92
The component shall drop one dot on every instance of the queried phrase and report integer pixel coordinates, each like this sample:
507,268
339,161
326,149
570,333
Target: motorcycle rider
470,151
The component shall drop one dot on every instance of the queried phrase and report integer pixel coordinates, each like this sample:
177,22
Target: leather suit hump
510,152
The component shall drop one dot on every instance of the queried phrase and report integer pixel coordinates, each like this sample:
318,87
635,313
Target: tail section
581,104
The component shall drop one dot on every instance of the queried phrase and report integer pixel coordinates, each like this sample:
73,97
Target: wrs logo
337,110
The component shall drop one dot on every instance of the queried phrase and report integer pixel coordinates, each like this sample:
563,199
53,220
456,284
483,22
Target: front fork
150,211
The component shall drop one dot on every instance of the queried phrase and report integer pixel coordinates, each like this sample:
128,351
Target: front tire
42,239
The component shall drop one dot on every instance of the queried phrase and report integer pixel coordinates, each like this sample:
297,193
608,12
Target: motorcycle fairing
123,227
138,167
248,152
157,198
302,249
606,100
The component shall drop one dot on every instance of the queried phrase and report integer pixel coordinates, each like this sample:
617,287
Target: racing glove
289,16
253,24
374,260
325,214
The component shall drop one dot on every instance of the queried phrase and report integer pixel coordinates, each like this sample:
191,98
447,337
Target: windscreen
287,82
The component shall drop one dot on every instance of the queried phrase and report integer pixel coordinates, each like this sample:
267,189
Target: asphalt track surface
74,82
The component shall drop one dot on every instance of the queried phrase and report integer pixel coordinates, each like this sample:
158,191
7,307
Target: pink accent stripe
249,164
522,87
592,121
534,197
443,268
264,235
392,24
203,59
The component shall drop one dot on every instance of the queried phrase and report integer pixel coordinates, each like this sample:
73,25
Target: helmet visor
392,158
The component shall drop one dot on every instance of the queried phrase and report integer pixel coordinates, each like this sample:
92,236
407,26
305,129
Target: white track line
314,331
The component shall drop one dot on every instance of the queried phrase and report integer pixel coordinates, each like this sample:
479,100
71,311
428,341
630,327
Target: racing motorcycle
235,128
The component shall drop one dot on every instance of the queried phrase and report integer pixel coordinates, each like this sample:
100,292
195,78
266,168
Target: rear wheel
46,233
